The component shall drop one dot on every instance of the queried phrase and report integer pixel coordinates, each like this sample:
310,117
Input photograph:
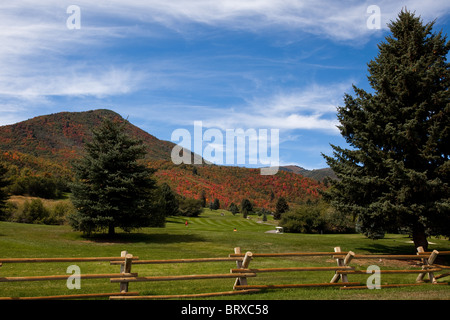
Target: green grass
210,235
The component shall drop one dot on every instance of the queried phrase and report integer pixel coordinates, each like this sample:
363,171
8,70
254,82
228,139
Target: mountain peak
61,136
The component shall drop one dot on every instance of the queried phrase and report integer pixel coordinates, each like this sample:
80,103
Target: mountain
46,145
62,135
316,174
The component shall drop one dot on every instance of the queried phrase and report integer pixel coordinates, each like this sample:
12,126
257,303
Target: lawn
210,235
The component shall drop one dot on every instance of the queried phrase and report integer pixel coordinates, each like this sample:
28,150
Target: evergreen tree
272,196
397,172
203,199
216,204
233,208
112,188
280,208
246,207
4,182
168,201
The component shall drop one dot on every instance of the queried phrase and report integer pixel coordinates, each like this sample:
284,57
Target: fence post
350,255
431,259
426,263
125,268
340,263
242,265
237,250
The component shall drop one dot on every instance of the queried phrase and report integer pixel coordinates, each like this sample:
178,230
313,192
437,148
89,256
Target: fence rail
341,271
42,260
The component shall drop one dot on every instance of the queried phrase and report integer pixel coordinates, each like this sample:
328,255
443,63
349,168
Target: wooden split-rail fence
340,272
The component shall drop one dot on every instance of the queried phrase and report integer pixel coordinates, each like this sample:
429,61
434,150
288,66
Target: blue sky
261,64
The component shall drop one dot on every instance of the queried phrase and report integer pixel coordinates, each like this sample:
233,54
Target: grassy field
210,235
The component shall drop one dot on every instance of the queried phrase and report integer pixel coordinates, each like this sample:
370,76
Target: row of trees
36,212
38,186
25,182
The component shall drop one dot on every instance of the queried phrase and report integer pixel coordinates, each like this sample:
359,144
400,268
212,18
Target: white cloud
310,108
71,83
38,52
29,22
338,20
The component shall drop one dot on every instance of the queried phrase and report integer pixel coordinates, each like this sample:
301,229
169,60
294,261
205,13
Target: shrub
233,208
190,207
60,212
8,212
318,218
35,212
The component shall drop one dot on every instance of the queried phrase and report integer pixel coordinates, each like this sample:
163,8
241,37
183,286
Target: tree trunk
419,236
111,231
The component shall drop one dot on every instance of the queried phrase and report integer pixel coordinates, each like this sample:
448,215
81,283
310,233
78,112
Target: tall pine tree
397,172
112,188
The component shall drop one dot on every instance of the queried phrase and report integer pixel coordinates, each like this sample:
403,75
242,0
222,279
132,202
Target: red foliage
233,184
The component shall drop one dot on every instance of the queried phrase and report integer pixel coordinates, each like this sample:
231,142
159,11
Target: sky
280,65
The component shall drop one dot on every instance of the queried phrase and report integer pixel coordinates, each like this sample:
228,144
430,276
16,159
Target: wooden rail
181,277
290,269
67,276
42,260
182,260
388,256
289,254
74,296
386,271
185,296
295,285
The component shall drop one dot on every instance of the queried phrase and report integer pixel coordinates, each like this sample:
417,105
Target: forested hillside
45,146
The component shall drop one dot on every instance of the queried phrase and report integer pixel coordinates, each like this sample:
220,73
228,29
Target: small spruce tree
112,188
246,207
168,201
280,208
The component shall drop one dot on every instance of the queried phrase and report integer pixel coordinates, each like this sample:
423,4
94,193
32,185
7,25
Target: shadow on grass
380,248
161,238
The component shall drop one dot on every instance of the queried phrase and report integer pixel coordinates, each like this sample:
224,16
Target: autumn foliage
233,184
46,146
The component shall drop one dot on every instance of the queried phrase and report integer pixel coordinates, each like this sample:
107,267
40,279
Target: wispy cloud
67,82
39,55
338,20
32,34
310,108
